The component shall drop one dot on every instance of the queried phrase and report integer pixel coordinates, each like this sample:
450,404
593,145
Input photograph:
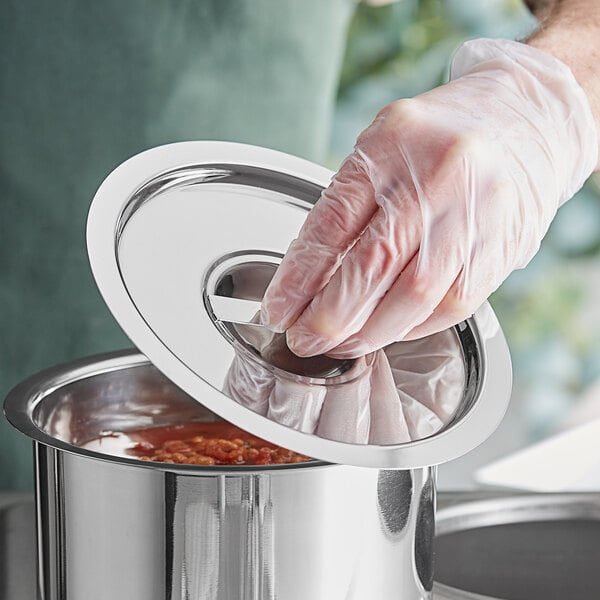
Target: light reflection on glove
444,195
407,392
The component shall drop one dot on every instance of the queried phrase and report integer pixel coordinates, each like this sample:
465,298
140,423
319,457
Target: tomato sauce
195,443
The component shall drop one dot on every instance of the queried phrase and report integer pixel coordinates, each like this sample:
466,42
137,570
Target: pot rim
21,403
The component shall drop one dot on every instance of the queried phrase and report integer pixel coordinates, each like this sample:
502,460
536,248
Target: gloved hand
444,195
407,392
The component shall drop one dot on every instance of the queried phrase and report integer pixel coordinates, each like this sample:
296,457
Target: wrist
545,88
576,43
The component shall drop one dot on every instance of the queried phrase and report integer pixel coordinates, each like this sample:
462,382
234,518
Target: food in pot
195,443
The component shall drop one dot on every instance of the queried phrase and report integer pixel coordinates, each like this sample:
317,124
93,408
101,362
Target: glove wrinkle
467,178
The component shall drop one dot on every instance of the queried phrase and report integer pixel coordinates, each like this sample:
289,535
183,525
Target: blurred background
549,311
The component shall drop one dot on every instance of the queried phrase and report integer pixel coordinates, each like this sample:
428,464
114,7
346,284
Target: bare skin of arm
570,31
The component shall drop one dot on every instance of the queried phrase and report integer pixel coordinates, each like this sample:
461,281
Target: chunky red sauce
195,443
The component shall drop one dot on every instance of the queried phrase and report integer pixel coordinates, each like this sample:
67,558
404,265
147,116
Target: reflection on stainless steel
174,227
335,407
533,547
424,541
407,392
410,392
118,528
572,521
557,560
245,281
230,309
271,351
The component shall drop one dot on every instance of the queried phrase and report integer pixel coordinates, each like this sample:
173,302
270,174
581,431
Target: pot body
118,528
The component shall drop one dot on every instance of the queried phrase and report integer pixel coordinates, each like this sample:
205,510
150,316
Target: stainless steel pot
496,546
117,528
173,234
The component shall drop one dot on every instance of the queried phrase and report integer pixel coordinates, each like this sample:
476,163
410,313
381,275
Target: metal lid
183,240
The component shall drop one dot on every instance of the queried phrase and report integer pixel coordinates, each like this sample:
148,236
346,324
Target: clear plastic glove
444,195
407,392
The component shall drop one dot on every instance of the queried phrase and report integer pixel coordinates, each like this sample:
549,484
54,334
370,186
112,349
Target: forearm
570,31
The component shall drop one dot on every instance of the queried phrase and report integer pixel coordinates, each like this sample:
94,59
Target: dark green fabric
84,85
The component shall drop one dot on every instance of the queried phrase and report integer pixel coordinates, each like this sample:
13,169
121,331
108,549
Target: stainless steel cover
175,227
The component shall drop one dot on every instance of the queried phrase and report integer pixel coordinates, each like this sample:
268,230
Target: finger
409,302
345,416
426,209
388,425
488,264
452,309
365,275
451,243
331,227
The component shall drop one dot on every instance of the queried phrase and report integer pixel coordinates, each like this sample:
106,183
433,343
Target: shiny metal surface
17,544
530,547
233,310
117,528
237,317
174,226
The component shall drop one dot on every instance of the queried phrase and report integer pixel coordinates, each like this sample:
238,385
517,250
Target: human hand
444,195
